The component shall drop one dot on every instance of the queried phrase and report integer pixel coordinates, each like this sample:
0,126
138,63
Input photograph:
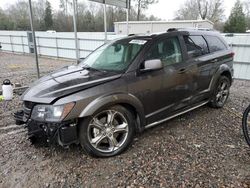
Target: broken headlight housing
51,113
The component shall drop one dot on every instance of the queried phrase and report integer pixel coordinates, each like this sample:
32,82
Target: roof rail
199,29
189,28
172,29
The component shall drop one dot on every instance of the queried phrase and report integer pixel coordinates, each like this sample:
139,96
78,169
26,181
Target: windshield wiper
87,67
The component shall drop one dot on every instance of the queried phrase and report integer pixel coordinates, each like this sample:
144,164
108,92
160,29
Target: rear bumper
63,133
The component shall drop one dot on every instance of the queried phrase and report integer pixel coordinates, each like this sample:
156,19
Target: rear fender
221,70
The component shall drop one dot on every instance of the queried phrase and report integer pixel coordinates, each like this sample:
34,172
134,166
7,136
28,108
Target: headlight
51,113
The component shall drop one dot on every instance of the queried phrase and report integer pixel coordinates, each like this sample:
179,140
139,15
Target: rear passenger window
196,46
215,44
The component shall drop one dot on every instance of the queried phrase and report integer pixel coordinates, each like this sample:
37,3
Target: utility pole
75,31
34,38
105,21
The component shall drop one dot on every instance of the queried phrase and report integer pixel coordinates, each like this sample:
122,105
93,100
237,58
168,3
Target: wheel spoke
223,86
225,92
110,117
218,96
113,143
121,128
97,124
96,141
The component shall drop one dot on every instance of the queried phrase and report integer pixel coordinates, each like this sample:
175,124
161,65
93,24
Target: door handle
214,61
182,71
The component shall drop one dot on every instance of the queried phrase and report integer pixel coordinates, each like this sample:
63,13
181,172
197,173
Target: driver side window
168,51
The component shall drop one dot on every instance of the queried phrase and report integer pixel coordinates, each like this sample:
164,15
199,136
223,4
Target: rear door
199,58
219,52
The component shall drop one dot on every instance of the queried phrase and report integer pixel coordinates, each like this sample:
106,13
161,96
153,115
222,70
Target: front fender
113,99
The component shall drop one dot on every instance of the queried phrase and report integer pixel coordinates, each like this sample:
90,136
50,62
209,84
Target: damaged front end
45,122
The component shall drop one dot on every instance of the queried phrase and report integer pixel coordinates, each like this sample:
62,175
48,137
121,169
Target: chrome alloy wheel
108,131
223,92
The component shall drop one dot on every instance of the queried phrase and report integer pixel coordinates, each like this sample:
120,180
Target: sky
165,9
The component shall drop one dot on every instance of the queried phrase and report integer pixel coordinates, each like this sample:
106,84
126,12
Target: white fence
54,44
62,45
241,46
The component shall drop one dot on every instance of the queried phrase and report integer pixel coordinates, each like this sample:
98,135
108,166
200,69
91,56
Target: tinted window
168,51
215,44
196,46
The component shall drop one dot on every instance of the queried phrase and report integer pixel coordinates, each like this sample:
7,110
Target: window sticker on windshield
139,42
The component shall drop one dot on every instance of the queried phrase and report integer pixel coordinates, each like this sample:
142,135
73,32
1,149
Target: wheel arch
126,100
228,74
223,70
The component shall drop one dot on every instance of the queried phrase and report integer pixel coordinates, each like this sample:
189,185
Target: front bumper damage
63,133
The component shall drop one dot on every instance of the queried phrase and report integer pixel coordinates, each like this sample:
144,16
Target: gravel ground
203,148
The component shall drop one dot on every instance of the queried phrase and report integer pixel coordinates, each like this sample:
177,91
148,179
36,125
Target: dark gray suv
126,86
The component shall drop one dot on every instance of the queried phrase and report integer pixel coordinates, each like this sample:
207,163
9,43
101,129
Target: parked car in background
126,86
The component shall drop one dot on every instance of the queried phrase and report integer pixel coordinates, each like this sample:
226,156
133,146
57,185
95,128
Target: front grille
27,108
28,104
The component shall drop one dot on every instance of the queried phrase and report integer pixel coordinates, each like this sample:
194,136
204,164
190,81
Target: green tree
5,22
237,20
48,20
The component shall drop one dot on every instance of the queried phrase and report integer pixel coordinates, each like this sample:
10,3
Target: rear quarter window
215,44
196,45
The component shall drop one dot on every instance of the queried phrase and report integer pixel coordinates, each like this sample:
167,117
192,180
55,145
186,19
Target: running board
171,117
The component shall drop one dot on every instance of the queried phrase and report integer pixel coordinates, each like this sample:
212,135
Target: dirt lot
203,148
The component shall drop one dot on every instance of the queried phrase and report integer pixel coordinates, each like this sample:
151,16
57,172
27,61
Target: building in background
136,27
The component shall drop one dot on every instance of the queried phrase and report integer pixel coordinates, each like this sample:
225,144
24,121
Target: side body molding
113,99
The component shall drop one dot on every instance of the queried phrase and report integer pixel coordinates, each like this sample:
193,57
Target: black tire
219,102
246,125
87,131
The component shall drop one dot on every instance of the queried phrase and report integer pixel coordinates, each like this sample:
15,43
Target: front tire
221,93
108,132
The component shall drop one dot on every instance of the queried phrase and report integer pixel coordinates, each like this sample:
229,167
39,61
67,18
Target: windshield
116,56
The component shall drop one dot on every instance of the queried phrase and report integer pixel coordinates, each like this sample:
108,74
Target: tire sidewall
245,125
83,133
213,101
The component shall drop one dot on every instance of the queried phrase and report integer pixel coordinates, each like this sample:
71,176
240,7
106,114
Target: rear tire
221,92
108,132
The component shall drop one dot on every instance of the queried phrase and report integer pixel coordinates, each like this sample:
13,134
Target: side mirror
151,65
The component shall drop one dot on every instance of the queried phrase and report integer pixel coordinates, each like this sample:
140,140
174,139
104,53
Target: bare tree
188,11
19,15
246,5
204,9
143,5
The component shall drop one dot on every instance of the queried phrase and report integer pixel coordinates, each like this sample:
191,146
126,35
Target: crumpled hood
64,82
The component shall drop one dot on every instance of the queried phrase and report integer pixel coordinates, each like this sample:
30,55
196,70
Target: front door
176,79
